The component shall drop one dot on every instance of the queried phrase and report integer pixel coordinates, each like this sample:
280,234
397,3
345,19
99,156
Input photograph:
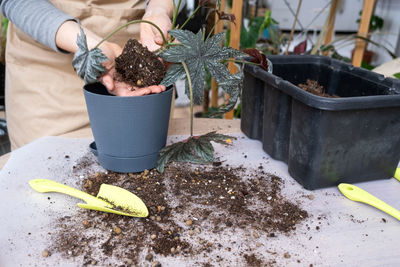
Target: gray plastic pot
129,132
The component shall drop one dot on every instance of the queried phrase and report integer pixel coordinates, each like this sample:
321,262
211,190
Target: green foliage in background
250,36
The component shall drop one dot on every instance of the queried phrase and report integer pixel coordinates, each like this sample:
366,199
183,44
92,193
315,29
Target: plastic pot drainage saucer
124,165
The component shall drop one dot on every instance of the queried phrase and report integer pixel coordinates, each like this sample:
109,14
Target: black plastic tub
324,141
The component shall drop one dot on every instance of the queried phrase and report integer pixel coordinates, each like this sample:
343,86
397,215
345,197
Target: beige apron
44,95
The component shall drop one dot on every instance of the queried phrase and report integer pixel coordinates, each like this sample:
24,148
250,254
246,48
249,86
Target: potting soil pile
243,210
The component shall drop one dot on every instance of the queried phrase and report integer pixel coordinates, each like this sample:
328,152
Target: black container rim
326,103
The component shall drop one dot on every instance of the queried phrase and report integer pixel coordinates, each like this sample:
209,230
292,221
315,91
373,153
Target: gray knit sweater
38,18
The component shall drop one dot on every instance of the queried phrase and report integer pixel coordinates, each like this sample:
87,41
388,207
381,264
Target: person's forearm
67,34
158,7
39,18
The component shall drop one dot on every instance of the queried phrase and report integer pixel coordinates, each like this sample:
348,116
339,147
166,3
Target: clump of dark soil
315,88
191,211
138,67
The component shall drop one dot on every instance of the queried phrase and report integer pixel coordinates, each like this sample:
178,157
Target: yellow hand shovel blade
123,202
355,193
397,174
110,198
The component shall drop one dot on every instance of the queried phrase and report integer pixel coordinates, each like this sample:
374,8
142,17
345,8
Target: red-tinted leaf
300,48
257,57
226,16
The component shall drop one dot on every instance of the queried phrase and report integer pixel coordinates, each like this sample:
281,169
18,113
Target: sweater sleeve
39,19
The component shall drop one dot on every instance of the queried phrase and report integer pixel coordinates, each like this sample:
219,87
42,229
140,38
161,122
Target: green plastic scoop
355,193
110,198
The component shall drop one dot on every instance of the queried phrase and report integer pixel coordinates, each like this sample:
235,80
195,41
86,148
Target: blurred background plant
3,38
3,41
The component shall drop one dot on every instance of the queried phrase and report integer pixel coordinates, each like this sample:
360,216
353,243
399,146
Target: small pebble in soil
149,257
153,236
45,253
255,234
191,232
189,222
198,230
311,197
286,255
158,219
156,264
117,230
86,223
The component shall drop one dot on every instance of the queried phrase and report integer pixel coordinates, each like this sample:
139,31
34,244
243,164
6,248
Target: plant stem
191,96
190,17
129,23
212,29
175,13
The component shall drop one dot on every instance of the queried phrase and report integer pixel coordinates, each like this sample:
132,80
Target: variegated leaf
176,54
88,64
174,73
196,149
198,55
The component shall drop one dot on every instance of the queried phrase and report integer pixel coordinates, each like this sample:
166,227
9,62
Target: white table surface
352,233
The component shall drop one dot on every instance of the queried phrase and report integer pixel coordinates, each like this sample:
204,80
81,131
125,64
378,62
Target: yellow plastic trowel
357,194
397,174
110,198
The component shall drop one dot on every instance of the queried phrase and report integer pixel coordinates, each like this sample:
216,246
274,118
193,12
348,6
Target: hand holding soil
116,86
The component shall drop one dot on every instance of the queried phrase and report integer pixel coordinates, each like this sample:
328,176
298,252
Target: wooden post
368,9
214,86
237,6
331,19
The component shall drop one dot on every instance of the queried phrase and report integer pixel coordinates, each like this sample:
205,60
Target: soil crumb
138,67
315,88
195,214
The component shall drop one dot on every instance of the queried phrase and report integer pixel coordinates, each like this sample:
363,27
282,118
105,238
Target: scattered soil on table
138,67
315,88
191,212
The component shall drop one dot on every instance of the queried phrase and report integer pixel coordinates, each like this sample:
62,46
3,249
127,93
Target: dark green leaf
175,54
174,73
88,64
188,38
195,149
233,87
197,78
198,55
204,149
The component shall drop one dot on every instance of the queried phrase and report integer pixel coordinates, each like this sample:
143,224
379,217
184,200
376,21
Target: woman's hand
66,40
159,12
112,51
